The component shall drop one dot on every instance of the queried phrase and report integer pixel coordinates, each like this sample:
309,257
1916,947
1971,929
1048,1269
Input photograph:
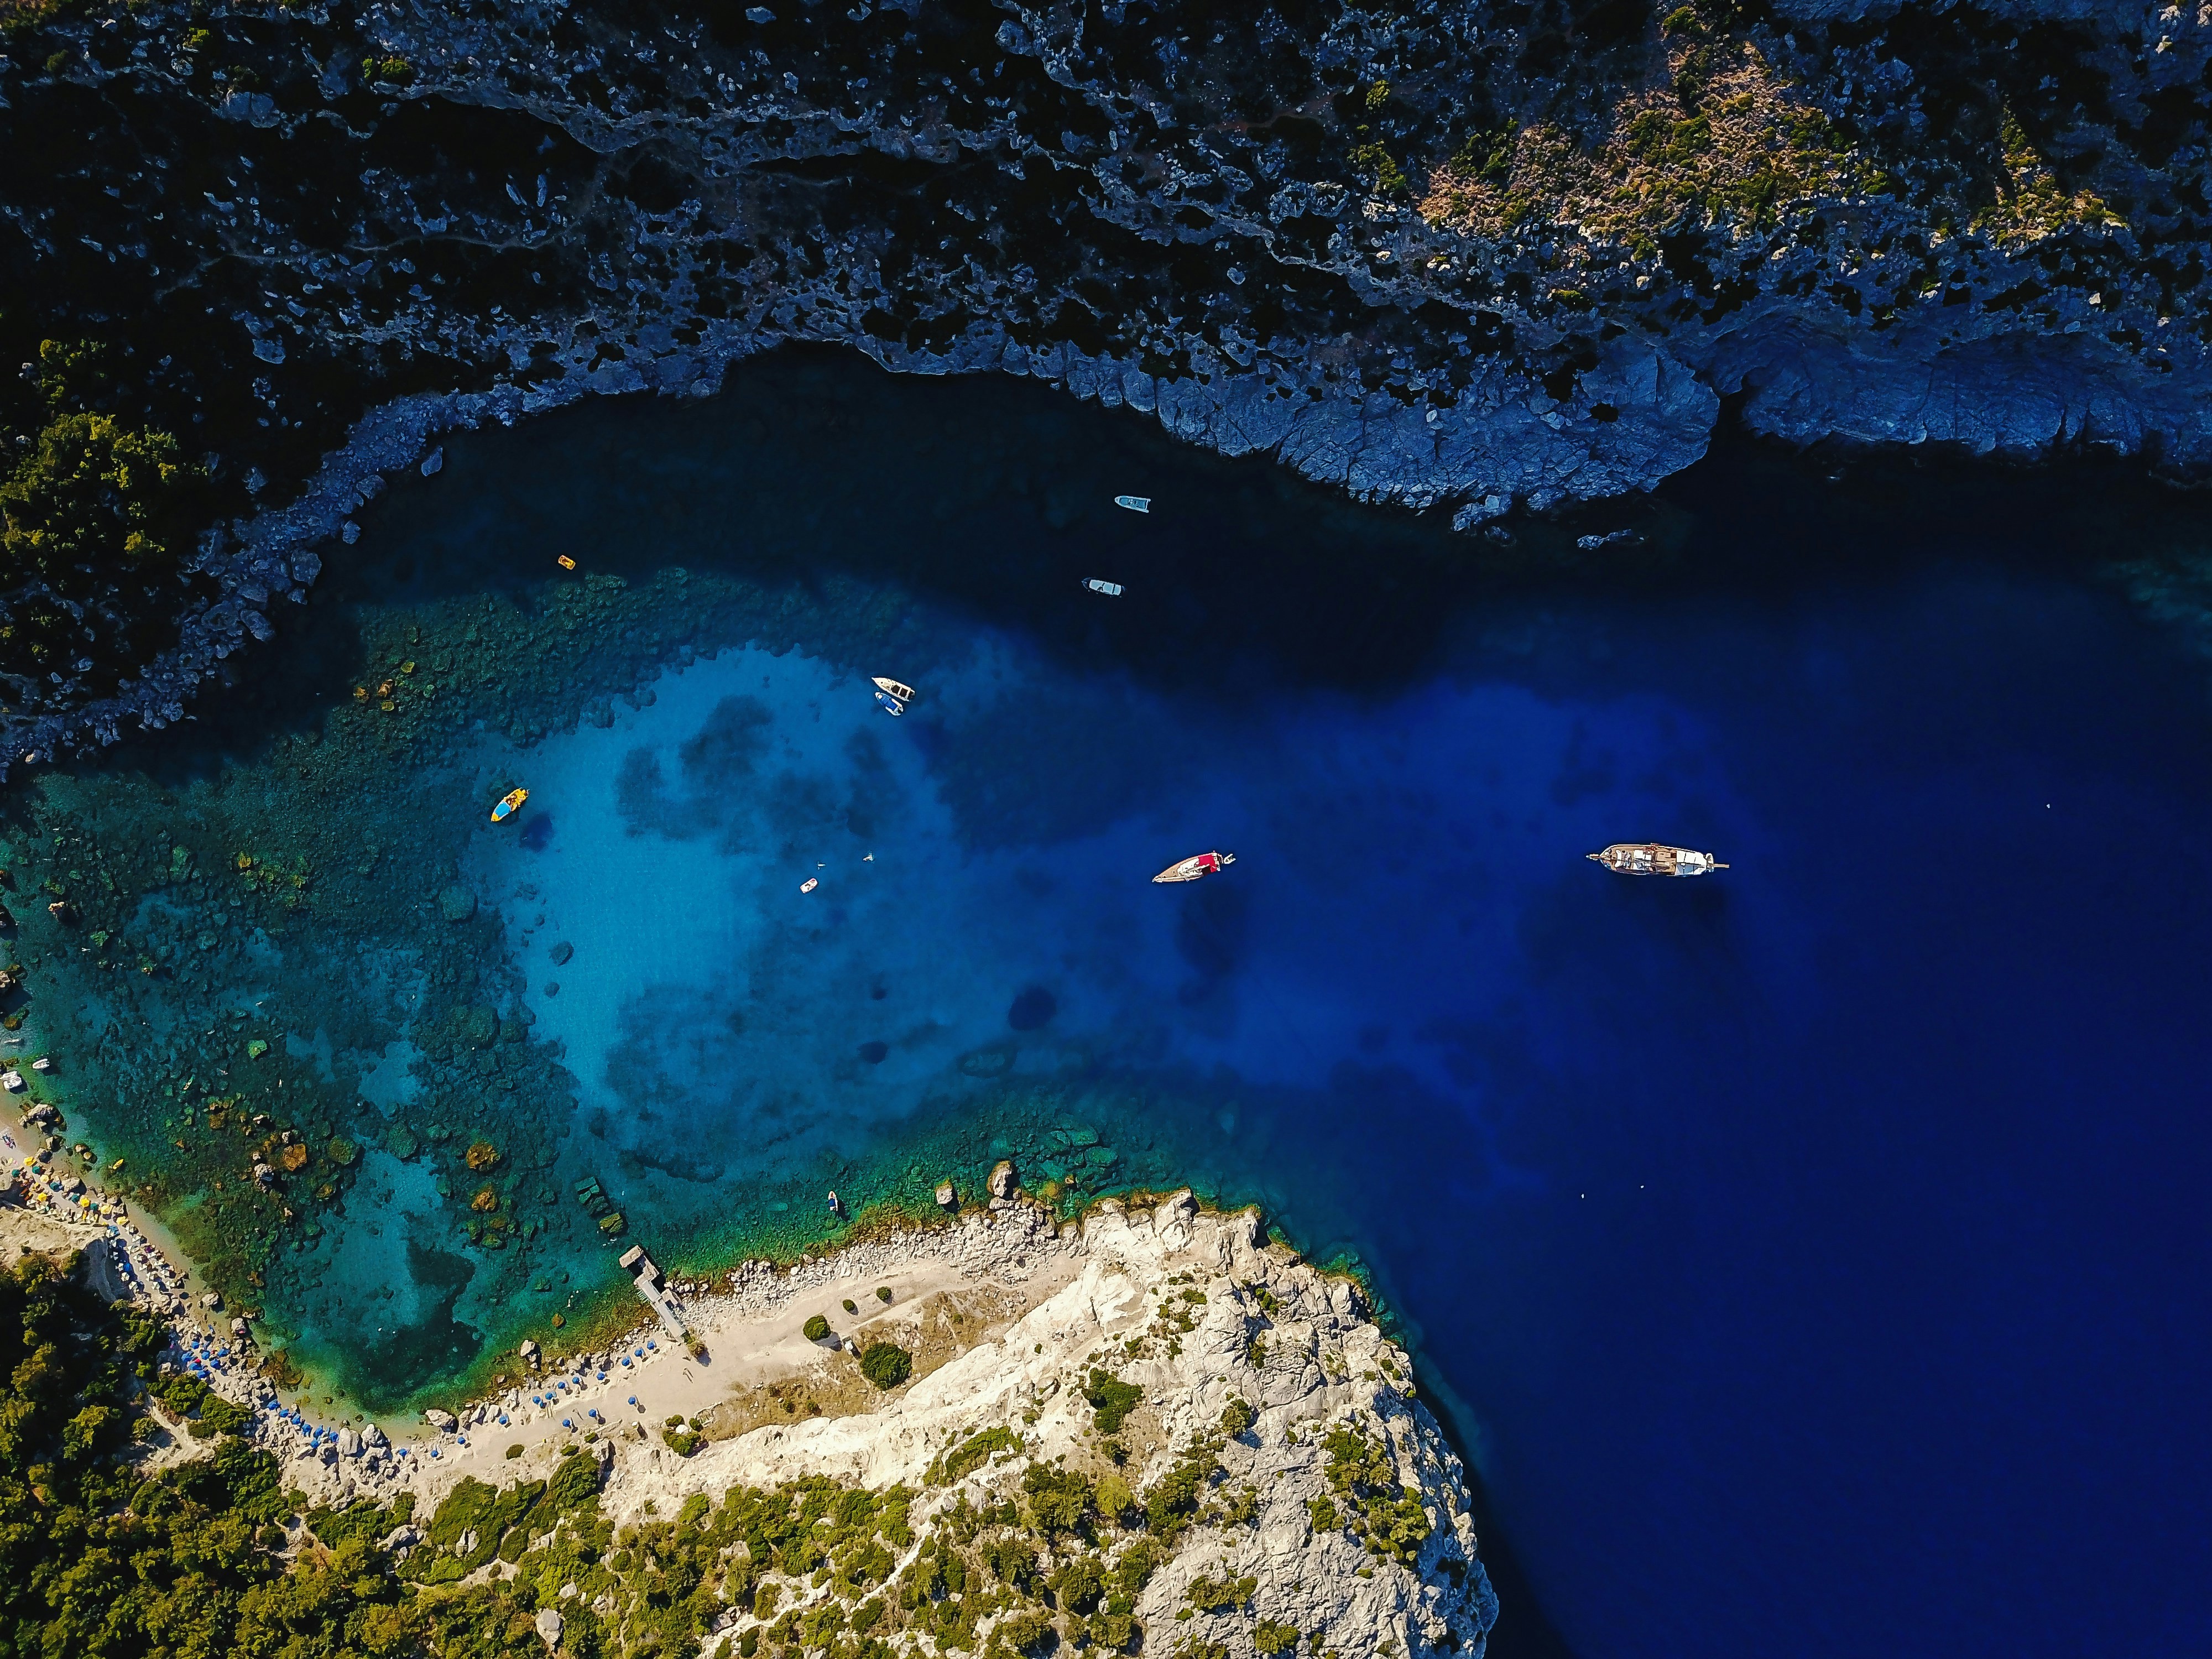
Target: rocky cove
1470,261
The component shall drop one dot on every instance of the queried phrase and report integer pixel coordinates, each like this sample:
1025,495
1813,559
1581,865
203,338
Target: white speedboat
1111,590
1134,503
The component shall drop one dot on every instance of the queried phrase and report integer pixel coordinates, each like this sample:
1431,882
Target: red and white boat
1201,864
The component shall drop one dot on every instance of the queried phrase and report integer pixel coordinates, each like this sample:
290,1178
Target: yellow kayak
507,803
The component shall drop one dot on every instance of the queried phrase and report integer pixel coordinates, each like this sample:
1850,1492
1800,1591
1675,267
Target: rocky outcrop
1200,1401
1464,260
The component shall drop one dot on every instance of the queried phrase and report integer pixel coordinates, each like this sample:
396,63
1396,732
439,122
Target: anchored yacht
1649,858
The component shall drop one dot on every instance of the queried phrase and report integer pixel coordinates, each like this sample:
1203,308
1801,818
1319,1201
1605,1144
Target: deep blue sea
1816,1259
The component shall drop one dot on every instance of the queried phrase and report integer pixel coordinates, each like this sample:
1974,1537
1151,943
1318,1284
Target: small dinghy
1134,503
1201,864
892,695
507,804
809,884
1111,590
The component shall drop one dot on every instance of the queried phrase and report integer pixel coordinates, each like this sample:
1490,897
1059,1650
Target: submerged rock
456,903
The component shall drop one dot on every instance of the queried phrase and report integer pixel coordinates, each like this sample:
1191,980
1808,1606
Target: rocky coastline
1154,1398
1455,261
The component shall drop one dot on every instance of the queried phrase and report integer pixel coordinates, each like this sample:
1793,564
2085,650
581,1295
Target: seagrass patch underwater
1867,1168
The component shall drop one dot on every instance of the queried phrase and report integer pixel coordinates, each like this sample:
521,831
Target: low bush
1111,1400
886,1365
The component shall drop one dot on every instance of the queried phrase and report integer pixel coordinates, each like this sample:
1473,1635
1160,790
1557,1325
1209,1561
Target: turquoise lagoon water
1812,1257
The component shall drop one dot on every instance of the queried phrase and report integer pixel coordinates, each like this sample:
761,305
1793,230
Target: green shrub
1272,1637
1059,1497
970,1455
1111,1400
513,1451
1237,1417
850,1306
1012,1560
817,1329
886,1365
1385,177
883,1293
1025,1632
1211,1595
1174,1498
1137,1564
1114,1499
1079,1584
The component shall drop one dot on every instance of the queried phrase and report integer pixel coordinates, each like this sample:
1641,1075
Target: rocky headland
1466,259
1149,1429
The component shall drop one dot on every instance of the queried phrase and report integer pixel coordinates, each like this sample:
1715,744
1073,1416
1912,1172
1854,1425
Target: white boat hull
1199,865
1652,858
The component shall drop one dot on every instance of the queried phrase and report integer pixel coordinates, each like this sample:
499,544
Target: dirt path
760,1368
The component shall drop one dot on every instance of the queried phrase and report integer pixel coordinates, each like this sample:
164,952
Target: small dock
651,1285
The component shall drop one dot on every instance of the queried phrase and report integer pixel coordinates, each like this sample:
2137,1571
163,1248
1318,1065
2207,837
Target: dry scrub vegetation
2030,203
936,1330
1726,141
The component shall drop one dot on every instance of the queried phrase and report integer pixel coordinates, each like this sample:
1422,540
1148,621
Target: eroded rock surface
1461,258
1276,1470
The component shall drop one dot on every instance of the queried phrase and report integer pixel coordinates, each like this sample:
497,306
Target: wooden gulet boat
1197,865
1651,858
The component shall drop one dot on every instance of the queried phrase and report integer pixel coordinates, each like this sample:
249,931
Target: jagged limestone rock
1317,1494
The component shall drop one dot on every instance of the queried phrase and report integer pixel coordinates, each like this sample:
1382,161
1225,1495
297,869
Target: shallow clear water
1812,1255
